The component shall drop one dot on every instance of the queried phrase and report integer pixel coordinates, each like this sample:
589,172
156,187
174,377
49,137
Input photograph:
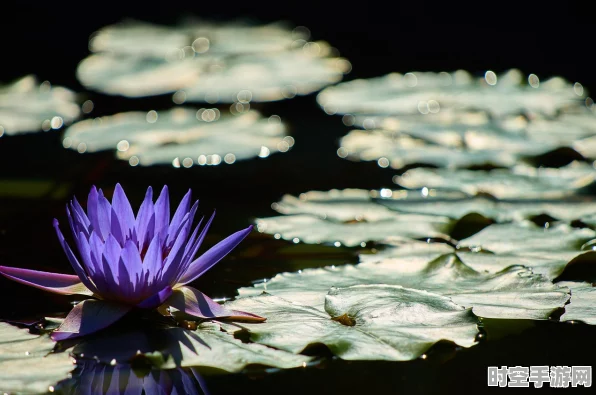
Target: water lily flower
129,262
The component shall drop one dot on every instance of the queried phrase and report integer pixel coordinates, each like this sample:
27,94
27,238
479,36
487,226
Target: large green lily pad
363,322
514,292
27,363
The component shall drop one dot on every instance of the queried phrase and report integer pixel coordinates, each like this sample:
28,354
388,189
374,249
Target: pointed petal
132,259
193,302
190,256
112,251
181,211
171,265
92,210
156,300
153,260
73,260
121,206
145,214
214,255
125,286
65,284
116,228
162,213
89,316
80,213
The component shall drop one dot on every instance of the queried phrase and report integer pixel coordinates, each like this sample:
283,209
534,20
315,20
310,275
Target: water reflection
93,377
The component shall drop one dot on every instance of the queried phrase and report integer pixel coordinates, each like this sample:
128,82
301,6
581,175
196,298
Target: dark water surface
47,176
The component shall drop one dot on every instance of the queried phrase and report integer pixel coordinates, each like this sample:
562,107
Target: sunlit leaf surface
27,364
208,62
426,92
181,137
368,322
28,106
511,293
582,306
522,182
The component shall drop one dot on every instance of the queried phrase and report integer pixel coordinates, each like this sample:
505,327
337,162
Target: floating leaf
207,347
582,306
209,62
201,37
397,151
519,183
529,239
27,106
511,293
425,92
568,210
181,136
363,322
27,364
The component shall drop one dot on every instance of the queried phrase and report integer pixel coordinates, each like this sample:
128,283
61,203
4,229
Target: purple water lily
132,262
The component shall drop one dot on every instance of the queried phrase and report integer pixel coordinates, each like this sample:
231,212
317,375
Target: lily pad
521,182
206,347
27,363
513,293
582,306
208,62
528,239
567,210
181,136
363,322
399,150
201,36
425,92
27,106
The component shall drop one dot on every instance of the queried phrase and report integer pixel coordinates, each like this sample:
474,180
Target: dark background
49,39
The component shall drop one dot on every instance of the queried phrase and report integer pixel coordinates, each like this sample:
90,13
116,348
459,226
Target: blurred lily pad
582,306
521,182
27,363
181,136
426,92
514,292
167,348
28,106
363,322
209,62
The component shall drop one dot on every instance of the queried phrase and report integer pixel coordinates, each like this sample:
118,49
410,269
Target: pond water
38,176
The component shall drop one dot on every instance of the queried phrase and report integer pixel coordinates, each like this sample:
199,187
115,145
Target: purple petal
99,210
132,259
162,213
144,216
156,300
80,213
116,228
89,316
65,284
153,259
73,260
195,248
193,302
171,265
121,206
181,211
213,255
125,286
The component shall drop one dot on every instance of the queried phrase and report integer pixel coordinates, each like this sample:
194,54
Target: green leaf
179,137
519,183
514,292
207,347
582,306
363,322
27,363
